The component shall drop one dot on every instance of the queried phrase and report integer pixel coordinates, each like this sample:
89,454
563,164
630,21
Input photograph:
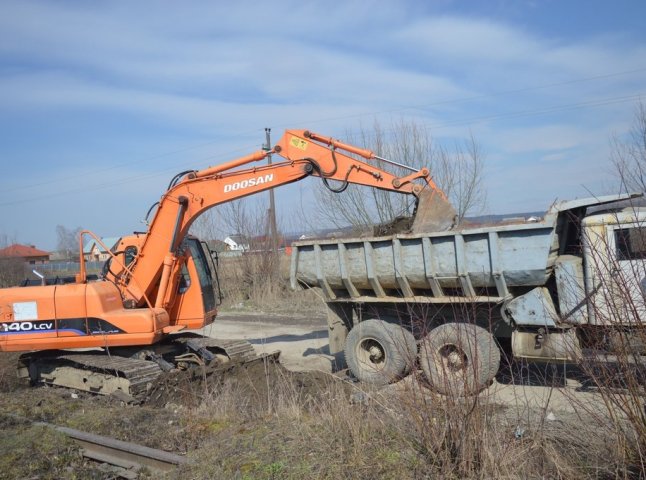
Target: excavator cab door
197,292
213,264
202,262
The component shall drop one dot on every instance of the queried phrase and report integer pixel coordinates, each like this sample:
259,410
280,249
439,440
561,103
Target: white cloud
543,138
215,70
461,39
482,49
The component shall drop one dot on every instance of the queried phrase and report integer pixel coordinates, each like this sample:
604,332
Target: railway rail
128,458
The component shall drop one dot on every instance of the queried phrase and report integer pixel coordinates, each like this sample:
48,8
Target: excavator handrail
81,277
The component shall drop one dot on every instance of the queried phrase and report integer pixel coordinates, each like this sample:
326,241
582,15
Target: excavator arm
149,278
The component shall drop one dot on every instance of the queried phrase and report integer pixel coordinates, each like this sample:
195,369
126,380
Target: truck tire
379,352
459,359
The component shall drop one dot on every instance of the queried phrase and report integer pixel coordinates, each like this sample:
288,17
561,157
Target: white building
237,243
94,252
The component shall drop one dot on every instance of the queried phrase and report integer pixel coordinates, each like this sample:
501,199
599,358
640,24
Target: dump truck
555,288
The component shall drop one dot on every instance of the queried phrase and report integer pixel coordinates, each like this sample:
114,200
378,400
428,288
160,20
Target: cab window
631,243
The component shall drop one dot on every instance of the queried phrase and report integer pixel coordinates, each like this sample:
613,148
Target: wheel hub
376,353
455,360
370,352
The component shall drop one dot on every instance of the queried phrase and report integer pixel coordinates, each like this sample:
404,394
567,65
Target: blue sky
101,103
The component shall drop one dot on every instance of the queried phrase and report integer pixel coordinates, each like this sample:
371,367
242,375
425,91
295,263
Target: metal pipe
397,164
183,203
254,157
169,259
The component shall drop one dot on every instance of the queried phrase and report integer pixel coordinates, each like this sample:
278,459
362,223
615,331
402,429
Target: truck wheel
459,359
379,352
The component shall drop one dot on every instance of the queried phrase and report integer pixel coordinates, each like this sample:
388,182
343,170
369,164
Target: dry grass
403,431
270,424
267,423
260,281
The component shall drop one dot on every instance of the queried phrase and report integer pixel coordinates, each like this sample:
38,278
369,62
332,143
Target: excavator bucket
434,213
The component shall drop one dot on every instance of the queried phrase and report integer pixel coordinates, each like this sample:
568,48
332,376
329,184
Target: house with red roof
27,253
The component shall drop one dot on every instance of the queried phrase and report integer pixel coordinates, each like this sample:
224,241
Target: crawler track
130,372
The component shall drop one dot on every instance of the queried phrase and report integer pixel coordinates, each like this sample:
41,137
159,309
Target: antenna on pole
272,206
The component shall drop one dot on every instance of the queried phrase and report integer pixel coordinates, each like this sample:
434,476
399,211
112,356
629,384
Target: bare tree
67,241
254,274
12,270
457,169
629,154
247,217
208,226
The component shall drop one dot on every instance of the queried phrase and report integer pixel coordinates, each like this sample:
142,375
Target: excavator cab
194,292
198,288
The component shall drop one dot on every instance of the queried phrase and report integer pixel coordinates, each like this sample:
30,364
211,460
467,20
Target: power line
94,172
542,111
480,97
469,121
100,186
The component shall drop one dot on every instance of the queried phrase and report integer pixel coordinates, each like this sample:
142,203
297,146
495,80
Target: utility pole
272,206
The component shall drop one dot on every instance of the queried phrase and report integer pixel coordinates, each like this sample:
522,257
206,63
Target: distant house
217,245
27,253
237,243
94,252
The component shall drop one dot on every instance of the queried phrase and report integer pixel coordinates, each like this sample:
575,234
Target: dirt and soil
254,382
295,418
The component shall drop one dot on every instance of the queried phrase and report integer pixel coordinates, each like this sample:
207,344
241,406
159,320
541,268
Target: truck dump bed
440,266
481,263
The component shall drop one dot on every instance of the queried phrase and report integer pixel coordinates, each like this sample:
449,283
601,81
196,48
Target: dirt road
302,340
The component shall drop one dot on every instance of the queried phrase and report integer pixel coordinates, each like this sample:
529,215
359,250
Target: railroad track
127,458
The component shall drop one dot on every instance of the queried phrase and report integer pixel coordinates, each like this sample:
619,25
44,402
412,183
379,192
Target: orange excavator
161,282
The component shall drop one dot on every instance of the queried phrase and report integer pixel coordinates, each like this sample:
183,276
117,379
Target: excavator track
235,350
95,372
129,373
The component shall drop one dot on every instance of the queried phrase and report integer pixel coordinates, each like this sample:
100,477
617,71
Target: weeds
534,421
260,280
39,452
401,431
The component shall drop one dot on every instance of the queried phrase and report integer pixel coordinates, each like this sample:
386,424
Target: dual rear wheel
456,358
379,352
